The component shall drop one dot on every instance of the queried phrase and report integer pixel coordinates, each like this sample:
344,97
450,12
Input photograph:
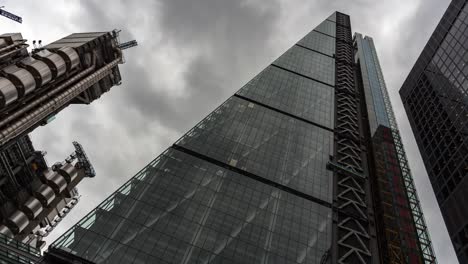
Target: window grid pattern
412,195
328,27
435,96
308,63
293,94
374,89
319,42
181,209
441,100
266,143
332,17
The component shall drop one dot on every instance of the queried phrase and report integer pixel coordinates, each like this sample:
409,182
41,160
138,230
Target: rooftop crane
10,15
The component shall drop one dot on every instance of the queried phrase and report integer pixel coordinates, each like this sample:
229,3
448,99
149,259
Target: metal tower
34,87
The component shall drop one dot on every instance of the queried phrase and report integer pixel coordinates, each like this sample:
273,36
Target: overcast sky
192,55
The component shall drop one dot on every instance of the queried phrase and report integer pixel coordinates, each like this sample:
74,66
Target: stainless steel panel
3,43
58,183
32,207
12,36
49,174
18,221
68,171
8,92
55,61
59,63
24,77
45,194
39,69
4,230
70,56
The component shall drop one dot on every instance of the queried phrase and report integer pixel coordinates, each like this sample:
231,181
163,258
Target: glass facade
181,209
308,63
266,143
14,251
372,83
403,228
294,94
319,42
435,96
248,184
278,173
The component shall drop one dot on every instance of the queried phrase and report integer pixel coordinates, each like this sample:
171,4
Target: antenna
10,15
128,44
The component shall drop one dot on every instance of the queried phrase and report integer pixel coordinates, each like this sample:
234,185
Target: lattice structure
418,216
352,231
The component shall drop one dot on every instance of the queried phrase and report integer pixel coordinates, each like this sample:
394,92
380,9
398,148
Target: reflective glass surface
332,17
439,110
267,143
319,42
373,83
240,186
436,100
180,209
328,27
293,94
308,63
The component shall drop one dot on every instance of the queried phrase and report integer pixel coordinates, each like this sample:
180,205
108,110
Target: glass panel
319,42
327,27
211,215
293,94
267,143
308,63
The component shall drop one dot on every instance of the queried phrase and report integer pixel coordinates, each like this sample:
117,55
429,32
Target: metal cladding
18,221
68,171
41,72
4,230
59,101
45,194
23,79
56,181
35,86
8,92
70,56
32,73
54,61
32,207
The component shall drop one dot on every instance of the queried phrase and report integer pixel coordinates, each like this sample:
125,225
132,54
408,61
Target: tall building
34,87
435,96
284,171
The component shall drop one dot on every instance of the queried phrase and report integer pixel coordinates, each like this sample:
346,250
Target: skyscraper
34,87
282,172
435,96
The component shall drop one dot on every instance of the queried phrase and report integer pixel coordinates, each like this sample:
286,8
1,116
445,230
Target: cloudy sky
192,55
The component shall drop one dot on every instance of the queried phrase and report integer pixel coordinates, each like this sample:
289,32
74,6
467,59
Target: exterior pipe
13,45
30,119
10,52
46,96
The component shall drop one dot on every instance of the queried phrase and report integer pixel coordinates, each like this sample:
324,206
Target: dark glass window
293,94
267,143
319,42
180,209
308,63
327,27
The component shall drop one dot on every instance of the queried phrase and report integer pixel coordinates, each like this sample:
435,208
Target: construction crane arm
11,16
